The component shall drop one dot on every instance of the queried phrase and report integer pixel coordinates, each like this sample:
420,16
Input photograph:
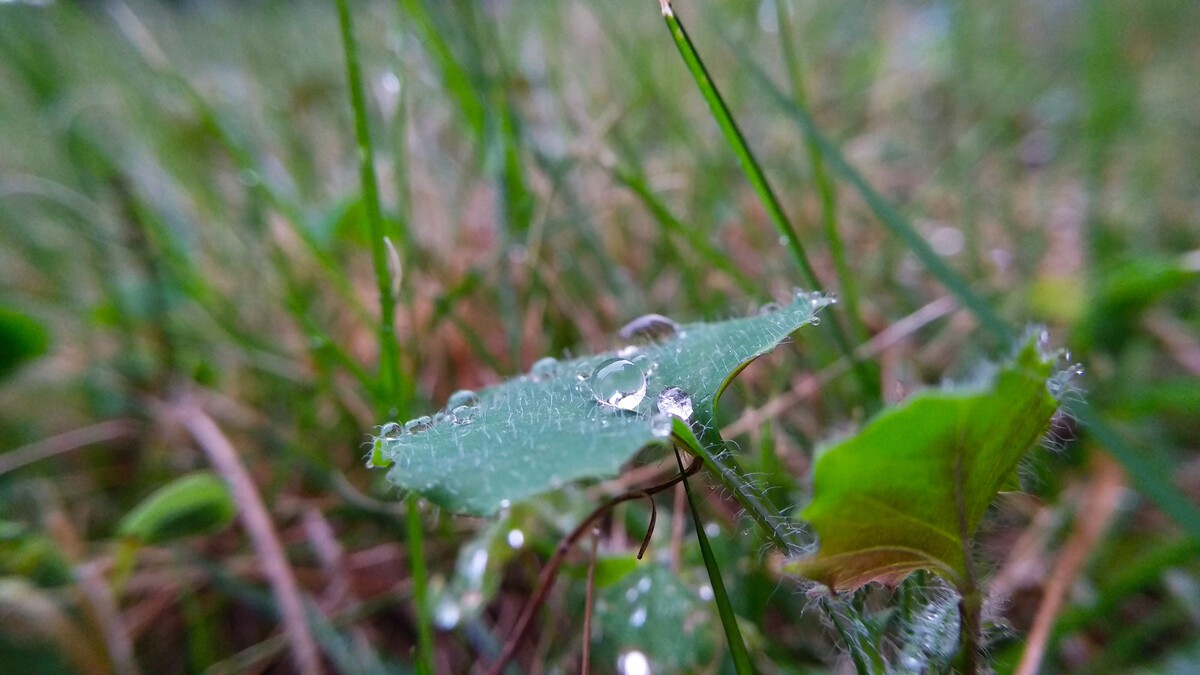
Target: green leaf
908,492
21,339
192,505
544,429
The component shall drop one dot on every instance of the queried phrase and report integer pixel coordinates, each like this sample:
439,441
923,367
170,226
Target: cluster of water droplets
461,408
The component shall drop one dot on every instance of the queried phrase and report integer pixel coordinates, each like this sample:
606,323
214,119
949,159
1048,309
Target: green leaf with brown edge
909,490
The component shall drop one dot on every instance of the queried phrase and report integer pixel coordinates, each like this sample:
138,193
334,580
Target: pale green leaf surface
888,501
536,433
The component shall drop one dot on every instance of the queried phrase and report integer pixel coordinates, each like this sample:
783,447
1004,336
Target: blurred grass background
180,213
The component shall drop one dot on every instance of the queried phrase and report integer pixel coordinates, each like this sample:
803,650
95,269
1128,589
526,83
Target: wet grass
182,207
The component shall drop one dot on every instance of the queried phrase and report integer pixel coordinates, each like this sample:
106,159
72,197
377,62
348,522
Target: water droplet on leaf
544,368
649,328
660,425
462,397
638,618
618,383
516,539
416,426
464,414
675,402
769,308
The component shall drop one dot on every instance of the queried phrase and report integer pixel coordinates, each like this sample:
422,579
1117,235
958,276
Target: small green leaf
908,492
21,339
189,506
544,429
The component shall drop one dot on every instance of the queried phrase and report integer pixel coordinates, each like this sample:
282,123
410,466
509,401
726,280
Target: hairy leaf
908,492
543,429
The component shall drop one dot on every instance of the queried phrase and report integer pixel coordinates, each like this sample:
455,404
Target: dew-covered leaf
905,492
548,427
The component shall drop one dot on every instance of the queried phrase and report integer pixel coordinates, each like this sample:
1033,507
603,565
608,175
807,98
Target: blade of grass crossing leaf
733,634
754,173
389,357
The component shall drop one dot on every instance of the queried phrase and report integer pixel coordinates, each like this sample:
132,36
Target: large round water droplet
416,426
462,397
649,327
391,430
618,383
675,402
544,368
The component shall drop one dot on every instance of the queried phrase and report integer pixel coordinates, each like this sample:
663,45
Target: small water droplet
706,593
649,328
675,402
516,539
660,425
476,564
544,368
631,594
769,308
618,383
633,663
815,321
643,584
638,618
447,614
464,414
504,503
462,397
391,431
416,426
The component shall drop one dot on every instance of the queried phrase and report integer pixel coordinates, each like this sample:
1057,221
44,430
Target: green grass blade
754,173
1148,469
888,215
826,189
636,183
389,356
733,634
737,142
388,353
